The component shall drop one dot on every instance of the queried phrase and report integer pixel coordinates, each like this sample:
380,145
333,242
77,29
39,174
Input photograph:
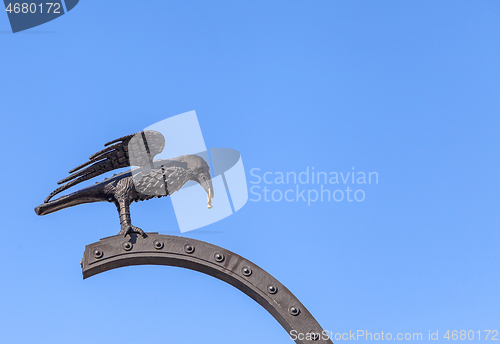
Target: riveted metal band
155,249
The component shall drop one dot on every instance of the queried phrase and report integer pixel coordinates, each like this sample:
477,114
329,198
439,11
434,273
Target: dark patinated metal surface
151,179
155,249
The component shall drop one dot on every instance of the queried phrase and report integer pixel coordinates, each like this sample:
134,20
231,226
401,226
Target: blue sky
407,89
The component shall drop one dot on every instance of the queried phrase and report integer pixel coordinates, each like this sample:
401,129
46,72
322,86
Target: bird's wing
175,178
132,150
162,180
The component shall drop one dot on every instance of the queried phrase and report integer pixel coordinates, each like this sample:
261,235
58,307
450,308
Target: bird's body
152,180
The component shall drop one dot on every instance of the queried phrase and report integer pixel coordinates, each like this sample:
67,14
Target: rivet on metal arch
110,253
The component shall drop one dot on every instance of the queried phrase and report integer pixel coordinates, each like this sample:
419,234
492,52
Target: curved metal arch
155,249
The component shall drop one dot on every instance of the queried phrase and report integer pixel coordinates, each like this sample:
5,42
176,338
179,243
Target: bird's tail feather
70,200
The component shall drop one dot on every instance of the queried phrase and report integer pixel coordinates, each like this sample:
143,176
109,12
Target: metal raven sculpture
149,180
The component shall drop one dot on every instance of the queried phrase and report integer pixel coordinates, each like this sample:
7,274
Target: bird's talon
131,229
138,231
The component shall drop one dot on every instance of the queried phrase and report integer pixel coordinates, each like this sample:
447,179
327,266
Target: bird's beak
206,183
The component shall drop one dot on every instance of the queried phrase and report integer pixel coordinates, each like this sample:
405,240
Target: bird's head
199,171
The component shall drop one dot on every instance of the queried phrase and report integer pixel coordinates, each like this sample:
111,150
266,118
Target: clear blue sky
409,89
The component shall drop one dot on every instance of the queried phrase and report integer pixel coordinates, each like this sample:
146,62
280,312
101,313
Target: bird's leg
123,207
